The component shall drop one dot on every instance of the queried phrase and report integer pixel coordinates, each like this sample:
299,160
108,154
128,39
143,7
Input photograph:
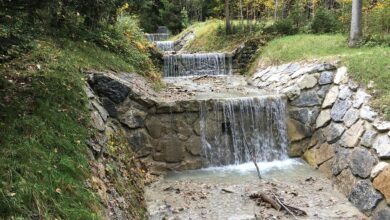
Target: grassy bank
211,37
44,124
365,63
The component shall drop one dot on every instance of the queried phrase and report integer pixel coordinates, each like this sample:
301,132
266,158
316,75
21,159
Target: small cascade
157,37
196,64
233,130
165,45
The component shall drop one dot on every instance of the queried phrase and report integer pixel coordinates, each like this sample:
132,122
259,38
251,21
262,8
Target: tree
356,23
227,16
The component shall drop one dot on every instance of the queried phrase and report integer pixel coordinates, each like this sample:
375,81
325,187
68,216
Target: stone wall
333,128
243,55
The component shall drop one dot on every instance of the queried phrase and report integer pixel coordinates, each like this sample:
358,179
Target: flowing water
157,37
234,131
165,45
178,65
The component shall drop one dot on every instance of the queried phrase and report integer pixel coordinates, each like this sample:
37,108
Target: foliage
283,27
363,63
324,22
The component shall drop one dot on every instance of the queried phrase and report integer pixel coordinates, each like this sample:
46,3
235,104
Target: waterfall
232,130
196,64
157,37
165,45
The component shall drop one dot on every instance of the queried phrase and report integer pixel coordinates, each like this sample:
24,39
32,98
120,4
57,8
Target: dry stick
252,152
287,209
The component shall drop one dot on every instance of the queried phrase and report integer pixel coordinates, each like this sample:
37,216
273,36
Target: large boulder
364,196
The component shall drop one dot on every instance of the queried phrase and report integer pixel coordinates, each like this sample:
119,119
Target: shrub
324,22
282,27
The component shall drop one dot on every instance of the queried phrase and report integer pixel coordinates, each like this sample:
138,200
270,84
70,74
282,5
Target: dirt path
224,194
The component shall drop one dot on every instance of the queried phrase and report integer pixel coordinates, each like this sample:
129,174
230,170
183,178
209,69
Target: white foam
263,166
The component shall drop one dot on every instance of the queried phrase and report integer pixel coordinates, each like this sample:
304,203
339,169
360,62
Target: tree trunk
356,23
276,10
227,16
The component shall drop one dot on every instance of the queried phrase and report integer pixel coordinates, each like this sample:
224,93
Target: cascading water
165,45
196,64
235,130
157,37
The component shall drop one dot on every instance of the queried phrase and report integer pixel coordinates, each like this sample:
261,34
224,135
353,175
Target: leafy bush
324,22
282,27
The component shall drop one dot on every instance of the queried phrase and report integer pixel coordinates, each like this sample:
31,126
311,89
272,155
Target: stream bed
223,193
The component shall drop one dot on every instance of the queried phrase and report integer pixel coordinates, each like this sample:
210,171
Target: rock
368,138
181,127
306,99
326,78
307,82
194,146
326,168
331,97
333,132
339,109
364,196
382,146
310,157
110,88
382,126
351,116
371,84
139,139
133,118
297,131
382,183
361,98
379,168
345,181
97,121
154,127
323,118
323,153
323,91
352,136
382,214
242,217
345,92
110,107
173,149
353,86
298,148
306,116
361,162
102,111
341,75
292,92
88,92
367,114
341,160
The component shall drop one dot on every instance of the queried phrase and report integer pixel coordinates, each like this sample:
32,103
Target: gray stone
326,78
110,107
323,153
341,160
382,126
382,214
88,92
110,88
378,168
154,127
351,117
133,118
352,136
97,121
345,181
331,97
341,75
307,99
364,196
242,217
102,111
292,92
339,109
173,149
367,114
323,91
304,115
323,118
382,146
345,92
307,82
296,130
361,98
368,138
361,162
353,86
194,146
333,132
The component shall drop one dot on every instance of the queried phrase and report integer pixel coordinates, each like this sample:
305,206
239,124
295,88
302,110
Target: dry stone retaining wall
332,126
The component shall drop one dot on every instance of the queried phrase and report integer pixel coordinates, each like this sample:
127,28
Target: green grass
44,125
210,36
365,63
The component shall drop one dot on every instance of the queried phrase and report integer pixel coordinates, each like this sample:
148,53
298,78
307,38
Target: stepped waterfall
233,131
165,45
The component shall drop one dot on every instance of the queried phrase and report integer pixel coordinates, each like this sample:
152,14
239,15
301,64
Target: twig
287,209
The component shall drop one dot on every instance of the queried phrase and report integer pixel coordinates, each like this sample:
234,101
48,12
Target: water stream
165,45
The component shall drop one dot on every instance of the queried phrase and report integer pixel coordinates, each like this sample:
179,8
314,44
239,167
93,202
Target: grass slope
44,126
365,63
